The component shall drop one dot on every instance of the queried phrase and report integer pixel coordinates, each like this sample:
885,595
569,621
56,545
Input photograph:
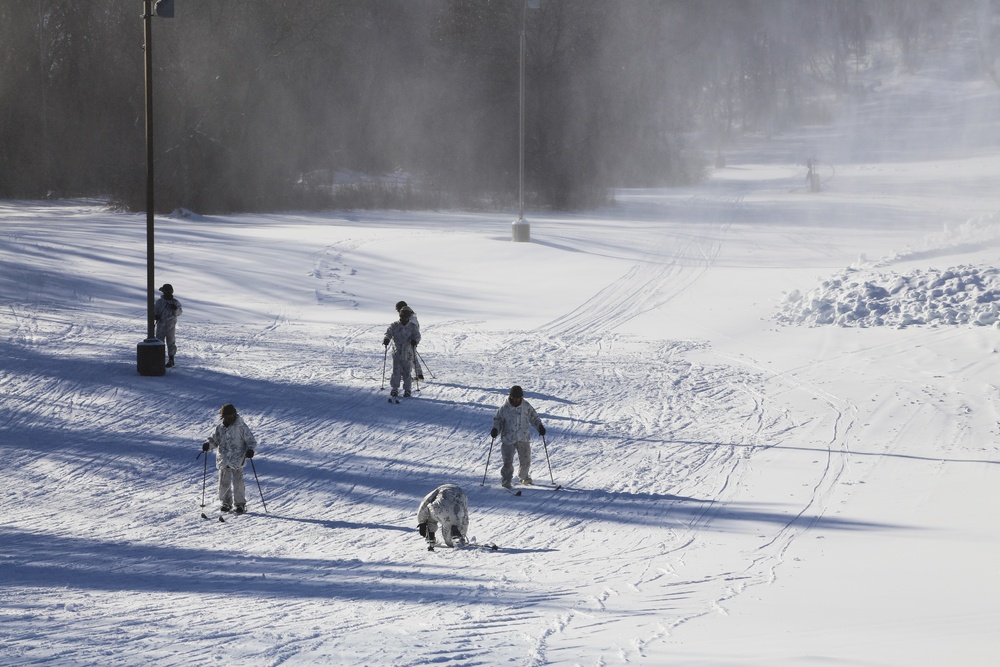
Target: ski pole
549,463
423,363
385,357
254,468
204,478
412,373
488,454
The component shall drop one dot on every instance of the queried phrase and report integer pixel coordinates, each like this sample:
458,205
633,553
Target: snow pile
962,295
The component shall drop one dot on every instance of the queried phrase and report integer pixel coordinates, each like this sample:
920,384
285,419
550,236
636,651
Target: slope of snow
738,488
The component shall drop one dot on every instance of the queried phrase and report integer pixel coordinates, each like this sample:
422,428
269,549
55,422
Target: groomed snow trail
650,446
111,559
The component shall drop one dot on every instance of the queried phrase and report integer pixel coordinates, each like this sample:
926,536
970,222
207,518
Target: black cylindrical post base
520,231
151,355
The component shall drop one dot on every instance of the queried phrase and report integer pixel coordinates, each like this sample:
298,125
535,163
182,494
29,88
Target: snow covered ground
744,482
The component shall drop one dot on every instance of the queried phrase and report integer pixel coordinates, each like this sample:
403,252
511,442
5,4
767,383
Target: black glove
422,527
173,306
249,453
541,430
205,447
385,341
413,343
494,433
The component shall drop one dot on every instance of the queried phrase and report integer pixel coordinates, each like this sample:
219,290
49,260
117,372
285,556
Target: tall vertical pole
150,353
520,171
521,230
150,274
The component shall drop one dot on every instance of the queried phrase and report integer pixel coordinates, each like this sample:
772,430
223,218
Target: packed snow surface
744,481
959,295
866,296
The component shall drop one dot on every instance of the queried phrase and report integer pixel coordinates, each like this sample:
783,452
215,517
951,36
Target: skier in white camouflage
234,444
513,422
404,336
165,312
446,507
417,371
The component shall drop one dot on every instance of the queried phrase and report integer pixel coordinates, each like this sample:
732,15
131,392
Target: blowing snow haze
414,104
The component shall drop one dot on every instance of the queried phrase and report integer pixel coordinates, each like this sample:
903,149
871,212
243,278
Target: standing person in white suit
234,444
404,336
165,313
513,422
417,371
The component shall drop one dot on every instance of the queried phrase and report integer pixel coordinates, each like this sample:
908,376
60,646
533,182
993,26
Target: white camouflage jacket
162,312
514,423
401,334
231,444
450,496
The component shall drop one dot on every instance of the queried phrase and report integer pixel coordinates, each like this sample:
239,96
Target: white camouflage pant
231,487
523,450
167,332
401,369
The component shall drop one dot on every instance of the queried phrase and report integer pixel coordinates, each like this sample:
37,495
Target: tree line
265,105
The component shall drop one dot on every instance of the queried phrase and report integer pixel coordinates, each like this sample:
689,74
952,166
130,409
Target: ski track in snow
653,449
654,280
342,472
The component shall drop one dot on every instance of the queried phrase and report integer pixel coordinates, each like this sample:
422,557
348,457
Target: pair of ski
540,486
395,399
222,518
491,546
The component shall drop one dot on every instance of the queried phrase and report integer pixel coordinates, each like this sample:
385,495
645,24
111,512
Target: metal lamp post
520,229
150,353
